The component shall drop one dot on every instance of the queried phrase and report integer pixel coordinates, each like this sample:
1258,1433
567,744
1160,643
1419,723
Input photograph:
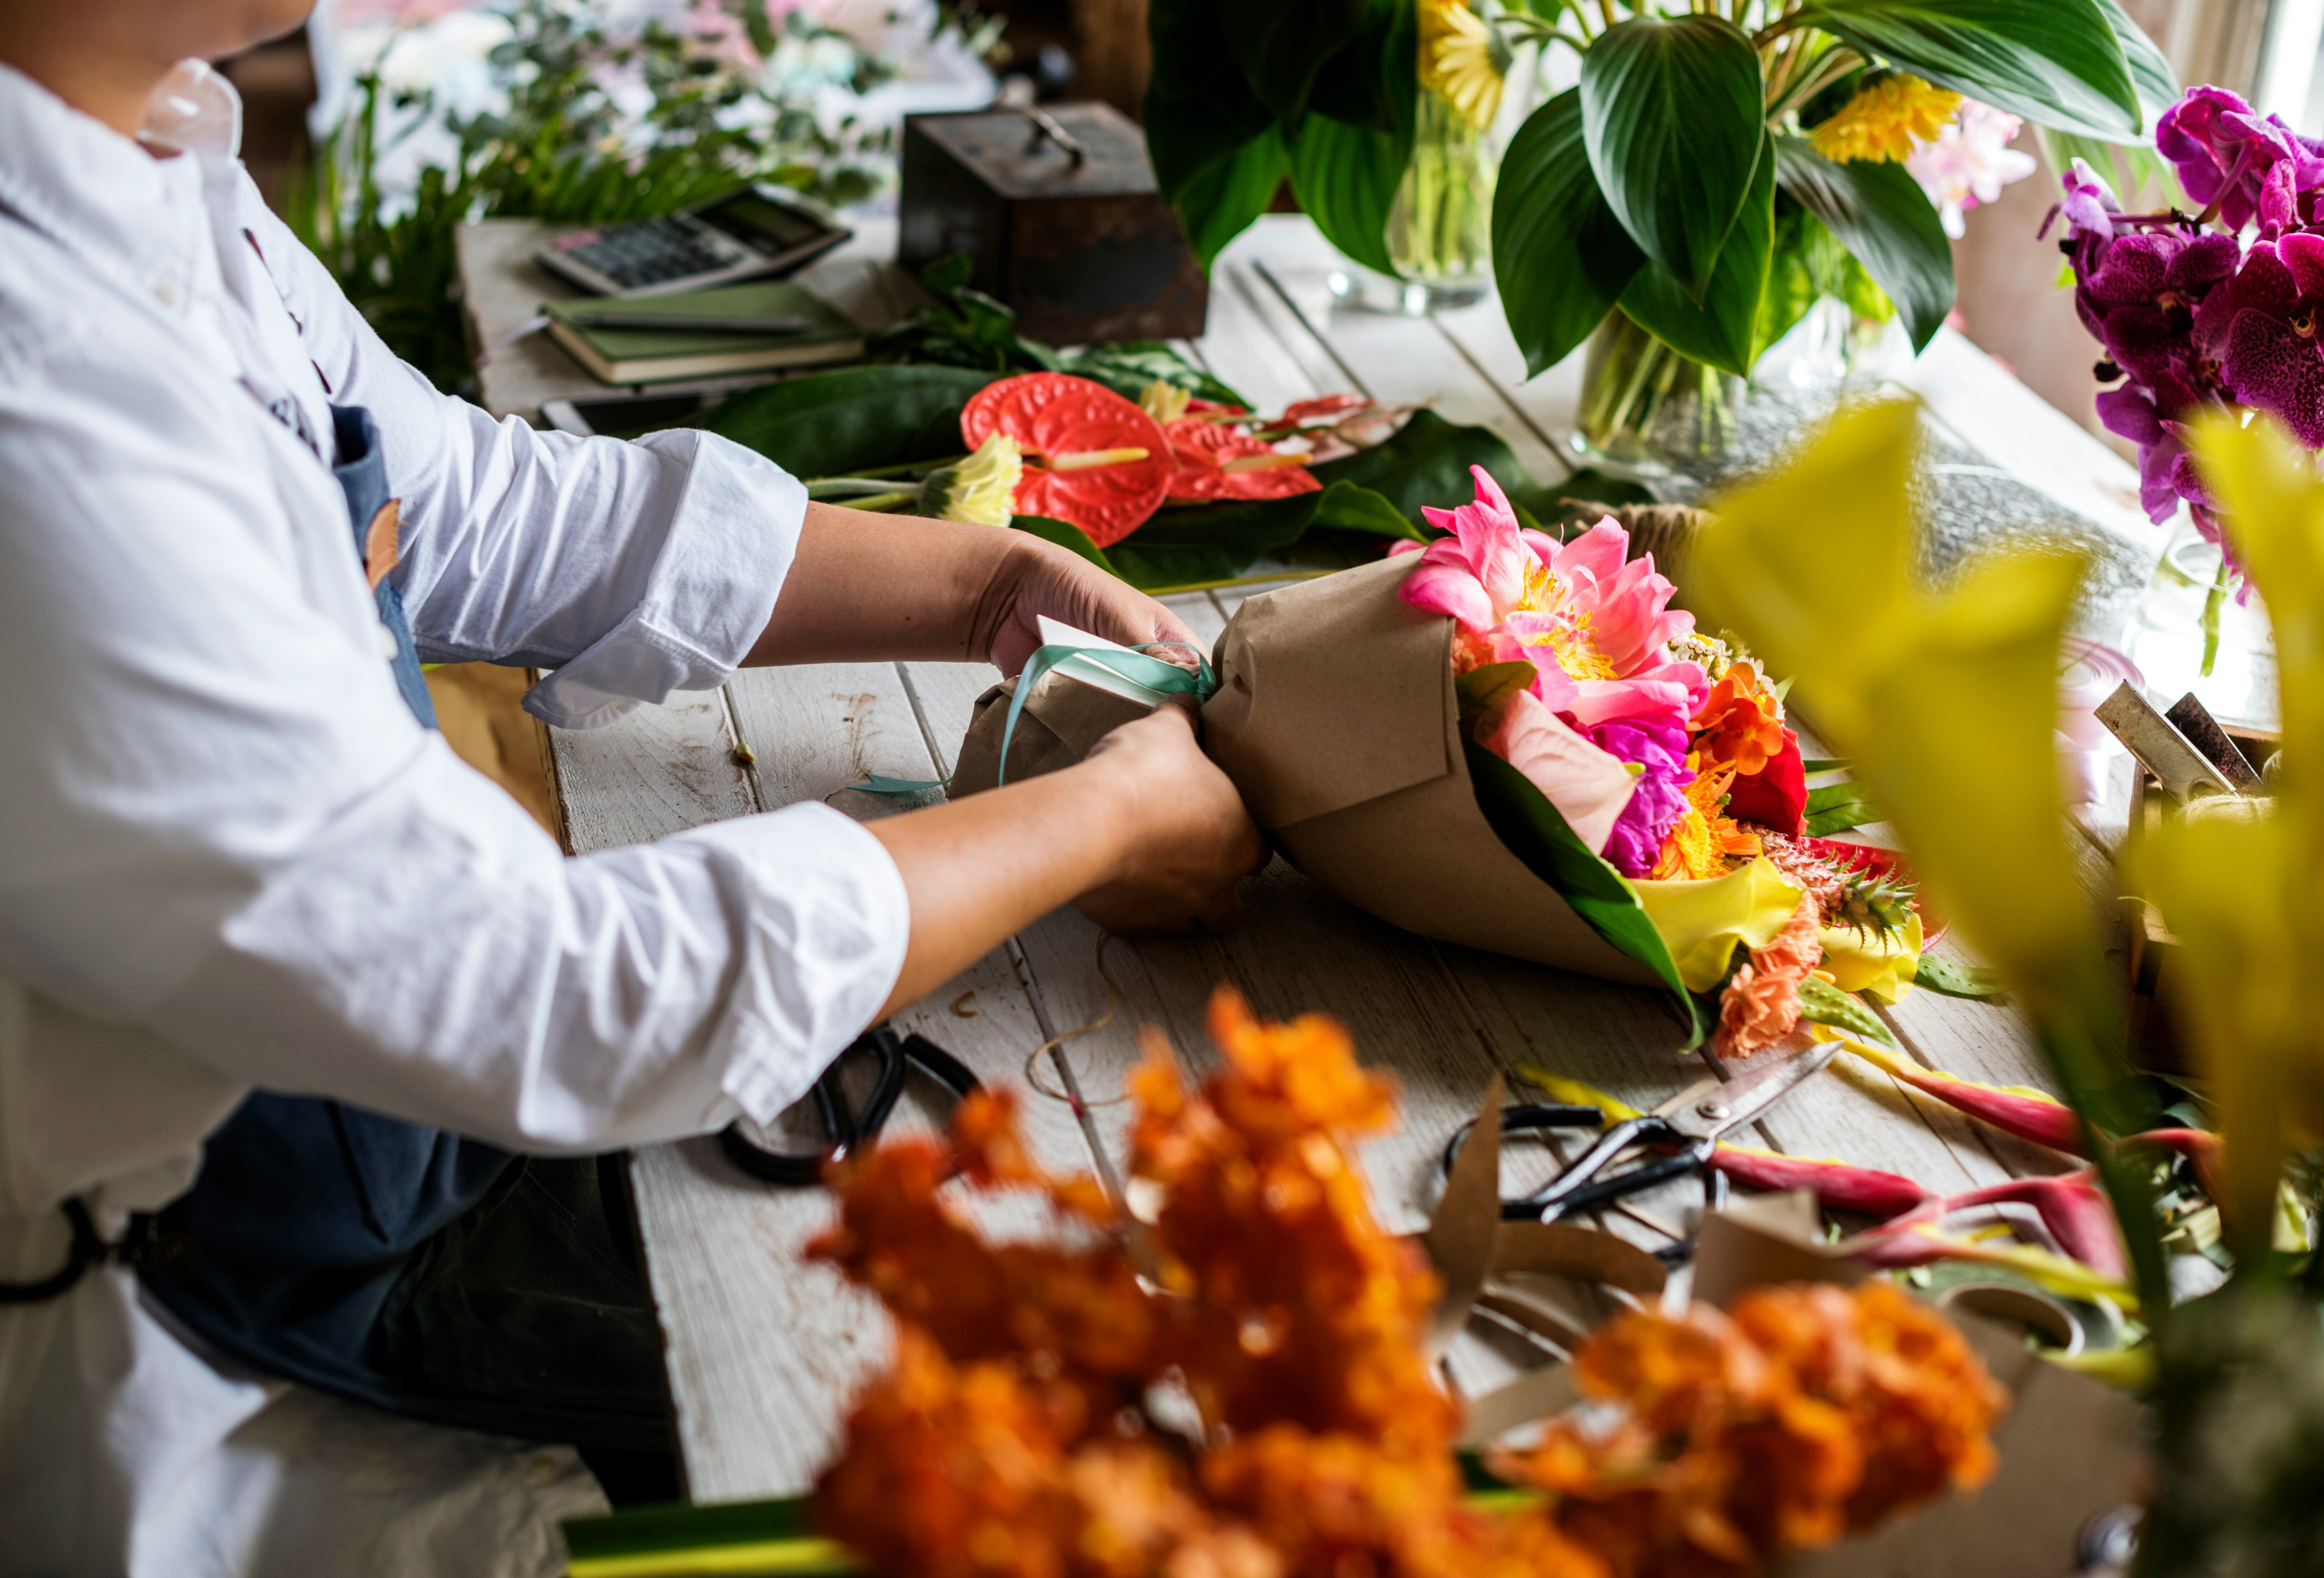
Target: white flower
1970,162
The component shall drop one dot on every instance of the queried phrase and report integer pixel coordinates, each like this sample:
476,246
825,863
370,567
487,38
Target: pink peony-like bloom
1595,625
1590,787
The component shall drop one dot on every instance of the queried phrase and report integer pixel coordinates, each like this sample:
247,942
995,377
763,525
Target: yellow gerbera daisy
1886,118
1462,62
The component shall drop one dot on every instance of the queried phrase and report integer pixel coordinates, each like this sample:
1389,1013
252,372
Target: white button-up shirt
230,859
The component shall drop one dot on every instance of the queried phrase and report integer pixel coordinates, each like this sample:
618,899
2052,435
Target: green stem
849,484
2212,604
897,471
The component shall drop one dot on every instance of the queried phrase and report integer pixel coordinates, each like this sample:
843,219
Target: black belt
142,1246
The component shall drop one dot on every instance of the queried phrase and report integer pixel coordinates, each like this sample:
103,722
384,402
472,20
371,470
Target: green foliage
1723,331
560,151
965,327
1561,257
1883,221
1671,116
1834,808
1826,1004
1534,831
852,420
2056,62
1956,979
1247,93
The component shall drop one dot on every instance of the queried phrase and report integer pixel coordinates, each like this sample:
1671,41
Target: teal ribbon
880,784
1137,667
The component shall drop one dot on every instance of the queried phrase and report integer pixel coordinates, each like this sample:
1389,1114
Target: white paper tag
1057,633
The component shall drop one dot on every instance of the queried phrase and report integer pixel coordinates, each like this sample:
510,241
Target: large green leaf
2150,73
1282,44
1723,331
1561,256
1202,121
2056,62
1065,535
1345,178
1524,819
1220,202
1426,462
1671,118
1879,212
1373,83
830,424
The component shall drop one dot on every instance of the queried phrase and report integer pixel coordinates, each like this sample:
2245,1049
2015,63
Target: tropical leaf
1671,118
2150,73
833,424
1345,178
1282,44
1532,829
1065,535
2058,63
1723,331
1561,258
1879,212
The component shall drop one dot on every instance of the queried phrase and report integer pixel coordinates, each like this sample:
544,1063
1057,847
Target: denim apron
401,1266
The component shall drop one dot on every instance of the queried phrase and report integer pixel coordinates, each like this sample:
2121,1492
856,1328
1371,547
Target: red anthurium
1091,457
1776,796
1218,460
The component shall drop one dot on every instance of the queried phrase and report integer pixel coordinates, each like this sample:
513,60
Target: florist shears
896,1057
1684,1130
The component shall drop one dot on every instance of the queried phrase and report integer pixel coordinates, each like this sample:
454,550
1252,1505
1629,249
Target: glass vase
1440,228
1645,407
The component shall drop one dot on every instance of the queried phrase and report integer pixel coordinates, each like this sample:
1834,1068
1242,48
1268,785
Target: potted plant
1716,169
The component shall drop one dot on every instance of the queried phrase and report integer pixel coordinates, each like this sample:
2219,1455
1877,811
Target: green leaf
2150,73
1426,462
1837,807
1826,1004
1220,202
1347,505
1282,44
833,424
1671,116
1373,84
1525,820
1824,765
1561,258
1481,689
1879,212
1724,330
2057,63
1956,979
1201,119
1065,535
1346,178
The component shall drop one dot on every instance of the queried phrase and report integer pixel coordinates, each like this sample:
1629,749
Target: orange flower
1741,724
1804,1413
1704,837
1761,1004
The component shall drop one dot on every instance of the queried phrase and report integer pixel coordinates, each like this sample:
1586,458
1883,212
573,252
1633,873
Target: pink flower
1589,786
1595,625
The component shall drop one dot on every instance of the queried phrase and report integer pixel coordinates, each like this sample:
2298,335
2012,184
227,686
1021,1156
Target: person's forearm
980,868
870,588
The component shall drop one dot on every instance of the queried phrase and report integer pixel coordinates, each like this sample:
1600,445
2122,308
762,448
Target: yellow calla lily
2244,897
1702,921
1882,965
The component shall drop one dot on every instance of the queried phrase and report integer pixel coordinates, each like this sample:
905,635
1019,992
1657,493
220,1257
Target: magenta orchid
2239,166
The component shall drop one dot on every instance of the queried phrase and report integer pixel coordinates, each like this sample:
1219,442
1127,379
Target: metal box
1056,209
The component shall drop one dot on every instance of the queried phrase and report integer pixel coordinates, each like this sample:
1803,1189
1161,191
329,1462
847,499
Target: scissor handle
1522,1116
1580,1187
848,1131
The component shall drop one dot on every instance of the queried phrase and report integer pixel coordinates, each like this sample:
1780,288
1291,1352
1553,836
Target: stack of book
763,326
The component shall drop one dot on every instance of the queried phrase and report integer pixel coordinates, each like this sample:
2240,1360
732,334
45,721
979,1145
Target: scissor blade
1711,1107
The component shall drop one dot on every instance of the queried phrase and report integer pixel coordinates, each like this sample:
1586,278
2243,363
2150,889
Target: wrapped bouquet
1544,757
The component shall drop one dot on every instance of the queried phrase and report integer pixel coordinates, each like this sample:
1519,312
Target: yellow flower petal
1458,63
1884,967
1886,119
1702,921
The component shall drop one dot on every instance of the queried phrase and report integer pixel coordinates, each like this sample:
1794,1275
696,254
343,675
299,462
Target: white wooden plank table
764,1349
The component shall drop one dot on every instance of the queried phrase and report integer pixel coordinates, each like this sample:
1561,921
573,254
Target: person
291,1002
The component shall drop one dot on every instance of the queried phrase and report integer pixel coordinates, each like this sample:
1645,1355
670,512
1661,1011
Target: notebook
705,336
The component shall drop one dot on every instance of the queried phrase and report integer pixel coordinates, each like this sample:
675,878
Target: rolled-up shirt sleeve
632,569
222,825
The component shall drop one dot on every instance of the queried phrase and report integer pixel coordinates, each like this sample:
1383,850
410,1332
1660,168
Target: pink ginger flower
1595,625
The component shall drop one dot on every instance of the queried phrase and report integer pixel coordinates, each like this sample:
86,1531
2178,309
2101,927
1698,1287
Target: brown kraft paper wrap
1336,716
1061,721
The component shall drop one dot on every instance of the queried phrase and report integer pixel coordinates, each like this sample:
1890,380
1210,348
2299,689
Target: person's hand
1042,578
1189,838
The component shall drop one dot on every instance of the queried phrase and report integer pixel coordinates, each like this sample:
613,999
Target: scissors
1692,1121
846,1130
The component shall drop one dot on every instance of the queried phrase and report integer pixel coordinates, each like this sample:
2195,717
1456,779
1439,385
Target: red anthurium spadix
1092,458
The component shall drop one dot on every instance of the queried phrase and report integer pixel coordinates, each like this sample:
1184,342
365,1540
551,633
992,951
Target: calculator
748,233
